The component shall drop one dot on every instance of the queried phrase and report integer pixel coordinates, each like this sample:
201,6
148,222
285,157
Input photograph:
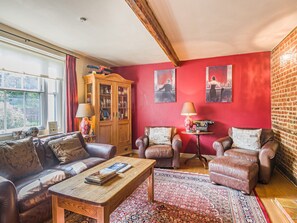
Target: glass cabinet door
105,102
122,103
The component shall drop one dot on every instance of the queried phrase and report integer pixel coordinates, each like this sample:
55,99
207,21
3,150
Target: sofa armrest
142,143
222,144
8,202
267,160
105,151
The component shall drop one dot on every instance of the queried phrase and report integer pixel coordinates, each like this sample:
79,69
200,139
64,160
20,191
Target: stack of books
106,174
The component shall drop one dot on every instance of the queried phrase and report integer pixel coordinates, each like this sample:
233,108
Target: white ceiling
114,35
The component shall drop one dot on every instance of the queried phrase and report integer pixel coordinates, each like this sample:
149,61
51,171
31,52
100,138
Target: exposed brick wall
284,103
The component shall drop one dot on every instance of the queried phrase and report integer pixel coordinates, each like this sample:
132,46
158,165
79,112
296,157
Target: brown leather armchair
265,157
165,155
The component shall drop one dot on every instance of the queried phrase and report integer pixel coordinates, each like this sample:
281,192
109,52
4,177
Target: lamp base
188,124
85,126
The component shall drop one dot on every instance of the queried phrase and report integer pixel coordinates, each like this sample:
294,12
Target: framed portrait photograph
219,83
164,86
52,127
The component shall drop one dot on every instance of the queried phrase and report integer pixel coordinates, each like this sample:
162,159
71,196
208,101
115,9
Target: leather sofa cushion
68,149
245,154
18,159
32,190
74,168
159,152
236,168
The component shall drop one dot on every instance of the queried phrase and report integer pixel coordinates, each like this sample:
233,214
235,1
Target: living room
255,39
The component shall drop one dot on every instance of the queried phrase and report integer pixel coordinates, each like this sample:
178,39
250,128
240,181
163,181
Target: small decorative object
33,131
202,125
219,83
99,69
188,110
53,127
164,85
85,111
17,134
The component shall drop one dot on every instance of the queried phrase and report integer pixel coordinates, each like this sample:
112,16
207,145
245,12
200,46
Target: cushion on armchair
246,138
160,136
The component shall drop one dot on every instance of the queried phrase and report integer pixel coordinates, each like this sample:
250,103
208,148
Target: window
31,89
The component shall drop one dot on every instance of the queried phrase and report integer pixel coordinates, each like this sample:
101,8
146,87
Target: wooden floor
278,187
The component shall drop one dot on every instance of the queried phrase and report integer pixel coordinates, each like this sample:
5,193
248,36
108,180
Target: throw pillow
68,149
18,159
246,138
160,136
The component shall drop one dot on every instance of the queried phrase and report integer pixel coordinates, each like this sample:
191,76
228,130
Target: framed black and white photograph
219,83
164,86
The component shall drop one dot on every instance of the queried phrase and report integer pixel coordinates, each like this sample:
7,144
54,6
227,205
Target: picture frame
219,83
52,127
164,86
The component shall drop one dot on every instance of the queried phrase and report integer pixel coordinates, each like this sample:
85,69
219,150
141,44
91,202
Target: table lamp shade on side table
188,110
85,111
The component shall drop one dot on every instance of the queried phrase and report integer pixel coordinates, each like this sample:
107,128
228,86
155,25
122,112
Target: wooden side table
198,153
89,138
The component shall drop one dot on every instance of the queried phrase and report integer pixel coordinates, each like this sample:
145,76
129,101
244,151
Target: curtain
71,93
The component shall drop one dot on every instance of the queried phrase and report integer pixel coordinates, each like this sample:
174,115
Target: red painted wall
250,106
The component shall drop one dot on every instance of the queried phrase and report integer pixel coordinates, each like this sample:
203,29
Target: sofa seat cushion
159,151
235,168
245,154
32,190
76,167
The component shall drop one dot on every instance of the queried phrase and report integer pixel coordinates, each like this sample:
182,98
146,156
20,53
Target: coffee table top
75,187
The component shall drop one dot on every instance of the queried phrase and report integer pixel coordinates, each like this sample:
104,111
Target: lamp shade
188,109
84,110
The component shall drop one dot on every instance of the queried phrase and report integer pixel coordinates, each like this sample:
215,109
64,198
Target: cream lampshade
188,110
85,111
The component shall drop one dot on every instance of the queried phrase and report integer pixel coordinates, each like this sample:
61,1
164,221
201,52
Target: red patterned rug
185,197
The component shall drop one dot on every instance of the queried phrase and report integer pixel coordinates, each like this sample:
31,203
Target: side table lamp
85,111
188,110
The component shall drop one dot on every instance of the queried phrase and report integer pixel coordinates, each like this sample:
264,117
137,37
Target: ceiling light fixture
83,19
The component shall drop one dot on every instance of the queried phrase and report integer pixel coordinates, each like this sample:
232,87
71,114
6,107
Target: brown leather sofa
265,157
27,200
165,155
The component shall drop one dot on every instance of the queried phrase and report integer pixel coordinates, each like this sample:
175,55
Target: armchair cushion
246,138
159,151
18,159
160,136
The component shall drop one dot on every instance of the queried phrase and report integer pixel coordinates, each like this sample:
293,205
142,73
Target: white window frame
60,87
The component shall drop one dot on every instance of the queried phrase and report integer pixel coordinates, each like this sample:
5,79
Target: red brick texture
284,103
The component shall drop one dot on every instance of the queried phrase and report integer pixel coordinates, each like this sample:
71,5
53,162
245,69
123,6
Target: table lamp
188,110
85,111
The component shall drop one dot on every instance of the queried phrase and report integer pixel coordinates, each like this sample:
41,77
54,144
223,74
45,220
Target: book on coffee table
107,173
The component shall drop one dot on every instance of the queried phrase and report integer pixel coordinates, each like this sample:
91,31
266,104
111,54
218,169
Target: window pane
1,111
52,86
12,81
31,83
14,109
32,107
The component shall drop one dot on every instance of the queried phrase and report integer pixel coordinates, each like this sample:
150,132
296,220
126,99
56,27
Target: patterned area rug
185,197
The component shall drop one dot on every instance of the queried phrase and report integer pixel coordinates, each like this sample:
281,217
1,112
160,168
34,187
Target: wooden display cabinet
111,97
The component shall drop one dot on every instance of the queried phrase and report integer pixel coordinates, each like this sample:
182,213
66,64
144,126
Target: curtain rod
40,44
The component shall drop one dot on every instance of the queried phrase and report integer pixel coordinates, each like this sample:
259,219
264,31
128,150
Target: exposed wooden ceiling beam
148,19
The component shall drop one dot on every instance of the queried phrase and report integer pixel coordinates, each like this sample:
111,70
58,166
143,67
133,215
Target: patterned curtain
71,94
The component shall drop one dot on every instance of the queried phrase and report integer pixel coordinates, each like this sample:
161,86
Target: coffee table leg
58,213
103,215
150,186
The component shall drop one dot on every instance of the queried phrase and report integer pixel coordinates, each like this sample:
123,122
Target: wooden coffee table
96,201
